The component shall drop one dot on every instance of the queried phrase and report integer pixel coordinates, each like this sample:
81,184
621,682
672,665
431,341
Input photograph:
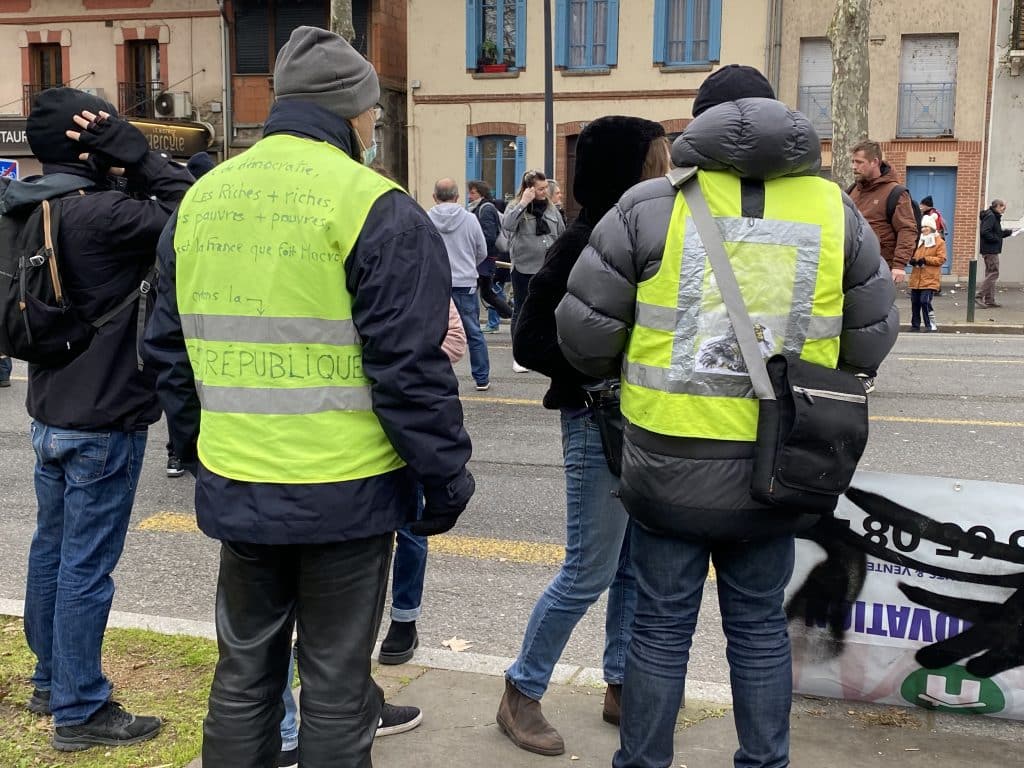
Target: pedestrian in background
532,224
482,205
642,301
925,278
991,234
323,398
612,154
6,366
467,249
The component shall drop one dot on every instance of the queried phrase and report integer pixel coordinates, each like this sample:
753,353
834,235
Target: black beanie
731,82
610,154
200,164
927,200
51,115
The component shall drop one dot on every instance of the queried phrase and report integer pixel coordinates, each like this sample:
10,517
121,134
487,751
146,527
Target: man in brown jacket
875,179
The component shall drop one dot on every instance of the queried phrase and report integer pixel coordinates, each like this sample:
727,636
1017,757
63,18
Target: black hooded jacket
610,154
106,245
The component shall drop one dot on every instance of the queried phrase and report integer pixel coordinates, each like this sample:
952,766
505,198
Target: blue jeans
85,487
493,318
670,576
468,304
6,366
289,723
596,557
409,570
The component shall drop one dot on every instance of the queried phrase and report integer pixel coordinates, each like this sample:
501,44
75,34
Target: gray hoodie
464,240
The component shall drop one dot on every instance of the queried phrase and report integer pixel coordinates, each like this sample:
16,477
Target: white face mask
370,153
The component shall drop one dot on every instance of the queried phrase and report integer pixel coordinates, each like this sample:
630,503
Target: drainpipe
226,116
773,49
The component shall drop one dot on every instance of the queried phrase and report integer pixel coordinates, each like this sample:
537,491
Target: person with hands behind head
323,395
90,416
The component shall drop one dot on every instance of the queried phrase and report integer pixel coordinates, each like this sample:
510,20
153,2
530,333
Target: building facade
1004,176
192,74
159,63
928,102
476,77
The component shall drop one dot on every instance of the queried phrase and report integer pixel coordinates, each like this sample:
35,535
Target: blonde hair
657,162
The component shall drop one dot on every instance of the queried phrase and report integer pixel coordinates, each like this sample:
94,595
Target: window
927,88
815,91
262,26
495,35
687,32
144,83
586,34
498,160
45,71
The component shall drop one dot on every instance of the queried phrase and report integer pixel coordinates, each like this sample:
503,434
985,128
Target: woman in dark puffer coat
612,154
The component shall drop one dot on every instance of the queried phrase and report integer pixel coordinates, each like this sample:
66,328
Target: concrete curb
430,658
978,328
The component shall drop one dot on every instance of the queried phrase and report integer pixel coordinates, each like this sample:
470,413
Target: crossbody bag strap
138,295
742,325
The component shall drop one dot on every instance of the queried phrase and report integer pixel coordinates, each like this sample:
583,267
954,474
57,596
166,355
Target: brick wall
388,40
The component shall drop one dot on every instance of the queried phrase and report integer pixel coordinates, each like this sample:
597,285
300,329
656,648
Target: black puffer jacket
698,487
992,233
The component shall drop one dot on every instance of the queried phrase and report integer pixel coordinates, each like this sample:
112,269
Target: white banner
914,595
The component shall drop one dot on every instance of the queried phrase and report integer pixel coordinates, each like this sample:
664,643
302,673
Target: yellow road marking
473,547
896,419
959,360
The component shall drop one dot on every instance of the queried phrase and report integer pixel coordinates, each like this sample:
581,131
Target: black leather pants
336,594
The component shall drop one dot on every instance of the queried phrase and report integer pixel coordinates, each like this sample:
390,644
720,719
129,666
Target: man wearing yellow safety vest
643,304
303,301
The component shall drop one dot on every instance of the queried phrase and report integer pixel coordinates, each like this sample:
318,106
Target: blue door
940,183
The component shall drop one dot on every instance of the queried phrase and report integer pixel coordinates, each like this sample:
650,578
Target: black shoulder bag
812,421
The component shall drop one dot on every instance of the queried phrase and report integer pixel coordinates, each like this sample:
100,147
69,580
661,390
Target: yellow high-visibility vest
683,373
261,244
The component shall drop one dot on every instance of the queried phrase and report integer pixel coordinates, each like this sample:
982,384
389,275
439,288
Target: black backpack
893,200
38,324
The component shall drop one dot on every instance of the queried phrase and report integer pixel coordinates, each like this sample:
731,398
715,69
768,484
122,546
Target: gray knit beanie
319,66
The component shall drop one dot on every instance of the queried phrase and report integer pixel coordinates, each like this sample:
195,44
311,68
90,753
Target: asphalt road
946,405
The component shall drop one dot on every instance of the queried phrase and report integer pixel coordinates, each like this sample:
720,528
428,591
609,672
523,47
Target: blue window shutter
660,30
472,30
472,158
520,161
715,31
520,33
562,33
613,33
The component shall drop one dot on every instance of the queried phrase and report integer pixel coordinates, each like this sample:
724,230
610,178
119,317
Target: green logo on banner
953,689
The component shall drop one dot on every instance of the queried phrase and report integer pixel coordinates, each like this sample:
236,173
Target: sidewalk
459,731
951,310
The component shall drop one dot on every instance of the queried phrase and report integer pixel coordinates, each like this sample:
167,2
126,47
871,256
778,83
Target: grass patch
153,674
890,718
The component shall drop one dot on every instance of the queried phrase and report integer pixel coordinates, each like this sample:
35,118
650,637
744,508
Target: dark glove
114,142
443,504
996,632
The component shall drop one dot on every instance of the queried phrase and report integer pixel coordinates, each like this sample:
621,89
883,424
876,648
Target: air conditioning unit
97,92
173,104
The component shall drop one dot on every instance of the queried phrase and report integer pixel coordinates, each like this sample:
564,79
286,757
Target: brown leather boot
519,717
612,704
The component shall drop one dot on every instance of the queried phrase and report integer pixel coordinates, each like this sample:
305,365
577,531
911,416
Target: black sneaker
400,643
111,726
397,720
39,703
288,758
174,467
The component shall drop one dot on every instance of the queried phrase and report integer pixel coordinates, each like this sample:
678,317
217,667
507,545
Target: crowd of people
317,407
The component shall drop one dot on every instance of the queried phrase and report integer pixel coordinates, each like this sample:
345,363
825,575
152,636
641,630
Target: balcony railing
815,101
29,93
138,99
1017,43
926,109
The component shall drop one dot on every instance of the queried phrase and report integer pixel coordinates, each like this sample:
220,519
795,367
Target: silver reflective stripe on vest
664,319
269,330
688,375
283,402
